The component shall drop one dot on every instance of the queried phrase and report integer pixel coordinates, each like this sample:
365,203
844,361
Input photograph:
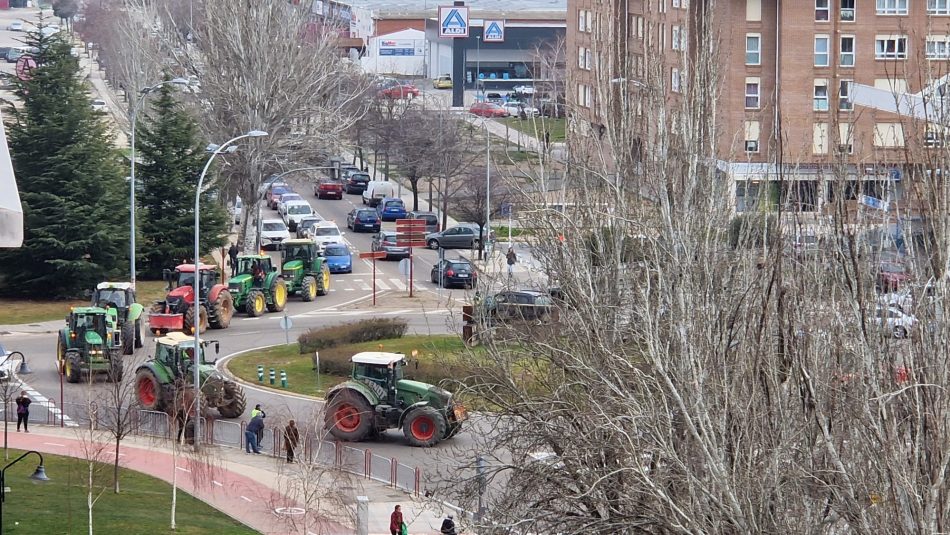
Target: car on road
15,26
285,198
273,194
461,236
339,258
891,319
432,220
328,188
306,224
295,211
326,232
518,305
450,273
99,105
385,241
356,183
397,90
237,209
516,109
391,209
891,275
273,232
442,82
488,109
363,219
524,89
14,54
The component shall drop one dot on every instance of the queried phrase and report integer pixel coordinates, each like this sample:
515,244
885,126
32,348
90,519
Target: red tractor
177,311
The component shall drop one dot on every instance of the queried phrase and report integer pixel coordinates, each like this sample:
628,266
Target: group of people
254,434
398,526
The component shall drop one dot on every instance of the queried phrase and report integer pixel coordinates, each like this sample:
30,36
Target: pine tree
70,181
172,159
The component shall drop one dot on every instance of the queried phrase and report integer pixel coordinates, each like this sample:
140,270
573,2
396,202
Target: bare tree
120,418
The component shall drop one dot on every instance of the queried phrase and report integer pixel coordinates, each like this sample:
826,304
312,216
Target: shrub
751,230
367,330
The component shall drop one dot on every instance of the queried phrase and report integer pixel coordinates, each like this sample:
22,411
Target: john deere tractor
90,343
257,286
377,398
165,382
177,311
305,272
121,296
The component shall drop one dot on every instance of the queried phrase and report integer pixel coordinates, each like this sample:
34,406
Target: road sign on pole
410,232
453,21
286,324
374,255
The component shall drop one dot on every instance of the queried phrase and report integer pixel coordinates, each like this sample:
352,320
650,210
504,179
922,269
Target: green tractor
90,343
165,382
121,296
306,273
257,285
377,398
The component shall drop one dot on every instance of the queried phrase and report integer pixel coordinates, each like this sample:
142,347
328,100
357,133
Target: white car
285,198
99,105
273,231
237,209
893,320
326,232
295,211
514,108
524,89
15,26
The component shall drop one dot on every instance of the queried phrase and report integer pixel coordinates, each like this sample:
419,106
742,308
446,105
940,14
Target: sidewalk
249,488
42,327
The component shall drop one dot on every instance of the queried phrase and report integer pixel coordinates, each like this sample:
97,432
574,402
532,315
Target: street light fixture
196,324
38,475
134,116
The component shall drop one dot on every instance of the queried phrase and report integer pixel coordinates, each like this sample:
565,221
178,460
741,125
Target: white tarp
11,211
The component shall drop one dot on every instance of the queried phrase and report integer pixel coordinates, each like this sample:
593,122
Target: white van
377,190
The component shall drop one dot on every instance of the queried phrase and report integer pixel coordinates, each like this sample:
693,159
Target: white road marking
250,319
216,483
396,312
349,289
245,498
366,287
54,444
398,284
182,469
380,285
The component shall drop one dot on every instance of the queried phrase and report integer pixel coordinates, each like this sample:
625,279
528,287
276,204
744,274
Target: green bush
367,330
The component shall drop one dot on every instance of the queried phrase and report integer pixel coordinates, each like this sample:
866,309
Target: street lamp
135,109
38,475
482,239
478,63
196,324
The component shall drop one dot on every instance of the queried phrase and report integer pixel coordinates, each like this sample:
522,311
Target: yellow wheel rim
280,295
259,303
312,289
68,367
326,279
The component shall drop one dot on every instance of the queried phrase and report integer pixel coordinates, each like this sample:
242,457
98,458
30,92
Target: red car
399,91
328,189
891,276
487,109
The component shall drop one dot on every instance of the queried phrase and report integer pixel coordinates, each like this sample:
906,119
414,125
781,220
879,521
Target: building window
935,136
846,58
580,57
890,47
822,10
675,80
937,47
752,136
662,36
888,135
820,138
581,20
844,95
587,59
847,11
820,101
675,40
752,93
938,7
676,3
590,21
891,7
845,138
753,49
821,50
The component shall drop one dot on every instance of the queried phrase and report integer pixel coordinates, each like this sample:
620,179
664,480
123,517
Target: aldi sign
453,21
494,31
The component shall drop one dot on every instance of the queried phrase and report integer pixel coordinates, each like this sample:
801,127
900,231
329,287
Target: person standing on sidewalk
448,526
254,427
512,259
23,411
291,439
259,412
396,521
232,255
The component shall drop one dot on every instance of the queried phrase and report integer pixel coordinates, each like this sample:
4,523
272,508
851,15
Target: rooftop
378,358
503,9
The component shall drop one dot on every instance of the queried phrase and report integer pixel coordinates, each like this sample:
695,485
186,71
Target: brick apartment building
793,63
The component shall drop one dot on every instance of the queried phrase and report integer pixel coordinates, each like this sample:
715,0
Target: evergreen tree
172,158
70,181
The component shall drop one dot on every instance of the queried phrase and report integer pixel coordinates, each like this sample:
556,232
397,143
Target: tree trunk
115,467
414,184
89,501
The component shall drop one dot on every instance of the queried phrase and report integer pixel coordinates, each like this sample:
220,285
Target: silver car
461,236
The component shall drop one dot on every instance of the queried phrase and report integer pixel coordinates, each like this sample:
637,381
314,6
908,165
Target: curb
222,365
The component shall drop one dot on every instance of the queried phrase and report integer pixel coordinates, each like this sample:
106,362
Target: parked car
496,98
306,224
377,190
461,236
391,209
14,54
339,258
273,195
360,219
295,211
398,91
237,209
516,108
15,26
348,169
326,232
518,305
524,89
285,198
385,240
273,233
99,105
328,189
432,220
487,109
450,273
443,82
891,275
893,320
356,183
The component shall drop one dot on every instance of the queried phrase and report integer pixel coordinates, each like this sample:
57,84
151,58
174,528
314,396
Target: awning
11,211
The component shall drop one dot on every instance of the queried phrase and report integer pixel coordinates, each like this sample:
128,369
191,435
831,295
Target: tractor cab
257,266
119,295
176,352
298,256
184,276
380,371
92,327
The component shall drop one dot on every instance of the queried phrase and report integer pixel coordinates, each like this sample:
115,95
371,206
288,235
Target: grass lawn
301,378
537,126
16,311
143,506
501,232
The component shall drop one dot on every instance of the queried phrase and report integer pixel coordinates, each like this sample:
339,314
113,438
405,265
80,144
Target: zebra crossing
365,284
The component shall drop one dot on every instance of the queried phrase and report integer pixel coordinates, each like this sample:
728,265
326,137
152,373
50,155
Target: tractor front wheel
234,401
308,288
189,321
148,391
349,416
72,368
424,427
323,283
128,338
223,310
256,304
278,295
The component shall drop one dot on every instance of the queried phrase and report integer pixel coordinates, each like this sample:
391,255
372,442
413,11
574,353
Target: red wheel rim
347,418
146,392
423,428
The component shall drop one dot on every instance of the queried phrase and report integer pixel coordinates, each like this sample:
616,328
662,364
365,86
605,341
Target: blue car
338,258
391,209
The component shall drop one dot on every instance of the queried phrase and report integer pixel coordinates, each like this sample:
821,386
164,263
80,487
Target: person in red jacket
395,521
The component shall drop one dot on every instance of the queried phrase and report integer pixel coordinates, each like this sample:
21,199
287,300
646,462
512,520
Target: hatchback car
385,241
518,109
461,236
284,199
391,209
398,91
363,219
450,273
432,220
326,232
99,105
273,196
891,319
295,211
328,188
518,305
306,224
339,258
236,210
15,26
487,109
443,82
356,183
273,232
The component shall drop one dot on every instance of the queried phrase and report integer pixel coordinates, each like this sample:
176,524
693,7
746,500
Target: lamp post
134,116
478,63
487,229
38,475
196,325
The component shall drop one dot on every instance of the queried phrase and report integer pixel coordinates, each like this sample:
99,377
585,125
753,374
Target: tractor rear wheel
308,288
138,333
234,401
424,427
256,304
148,391
278,295
115,369
323,282
72,367
189,321
349,416
128,338
223,308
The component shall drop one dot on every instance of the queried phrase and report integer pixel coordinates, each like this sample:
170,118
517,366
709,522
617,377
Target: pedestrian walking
396,522
23,411
448,526
512,259
259,412
254,428
233,254
291,439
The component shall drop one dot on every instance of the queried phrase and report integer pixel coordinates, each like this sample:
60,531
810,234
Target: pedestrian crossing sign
494,31
453,21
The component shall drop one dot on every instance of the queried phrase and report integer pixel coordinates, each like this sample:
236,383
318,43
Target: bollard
272,376
260,373
283,379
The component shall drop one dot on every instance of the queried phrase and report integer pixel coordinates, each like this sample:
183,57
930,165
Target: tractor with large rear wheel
305,271
257,286
121,296
377,398
90,343
177,311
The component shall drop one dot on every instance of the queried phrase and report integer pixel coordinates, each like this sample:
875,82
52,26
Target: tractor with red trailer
177,311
